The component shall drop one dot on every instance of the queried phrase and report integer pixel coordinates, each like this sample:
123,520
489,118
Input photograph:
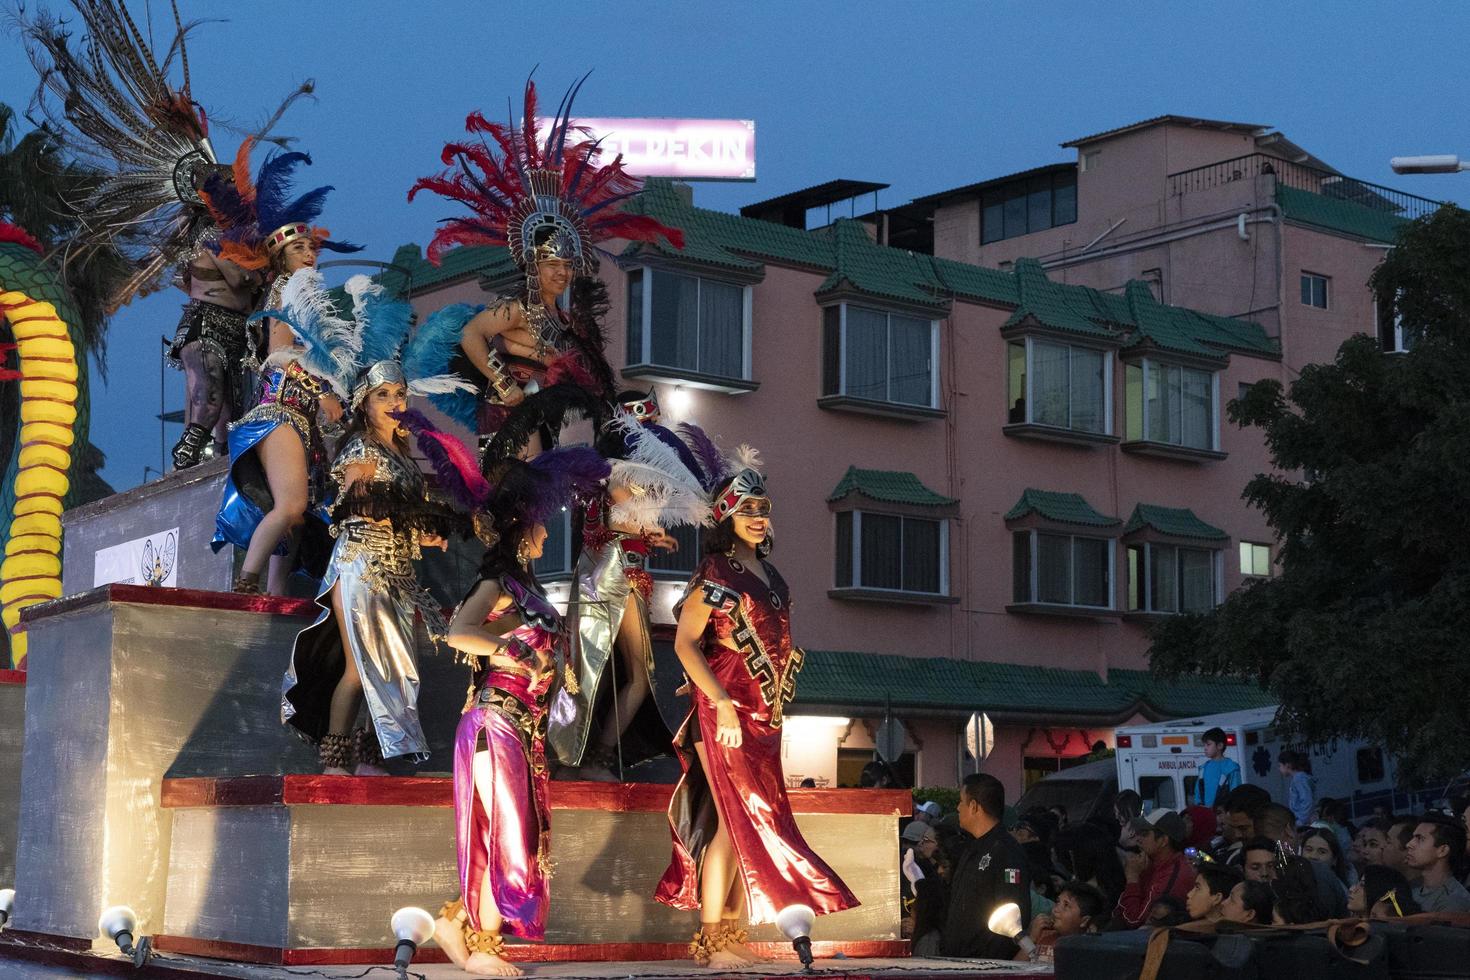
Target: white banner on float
686,149
151,560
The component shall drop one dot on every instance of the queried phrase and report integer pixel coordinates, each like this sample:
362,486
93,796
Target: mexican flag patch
1013,876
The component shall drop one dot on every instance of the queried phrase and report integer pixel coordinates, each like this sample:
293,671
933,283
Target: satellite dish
890,740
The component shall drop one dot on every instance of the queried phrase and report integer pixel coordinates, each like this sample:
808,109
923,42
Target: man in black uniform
989,872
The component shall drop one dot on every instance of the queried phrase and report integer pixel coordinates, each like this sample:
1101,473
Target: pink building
988,481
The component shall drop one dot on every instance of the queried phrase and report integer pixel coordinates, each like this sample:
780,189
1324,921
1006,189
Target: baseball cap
932,808
914,832
1165,822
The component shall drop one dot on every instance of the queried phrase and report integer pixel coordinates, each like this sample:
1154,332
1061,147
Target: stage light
118,923
413,927
1006,921
7,903
795,923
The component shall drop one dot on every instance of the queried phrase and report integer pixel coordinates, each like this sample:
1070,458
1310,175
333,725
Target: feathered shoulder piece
522,187
330,346
131,116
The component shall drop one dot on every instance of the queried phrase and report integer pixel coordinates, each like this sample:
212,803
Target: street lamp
1438,163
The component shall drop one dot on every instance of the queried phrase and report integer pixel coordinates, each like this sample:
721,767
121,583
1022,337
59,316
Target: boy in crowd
1219,775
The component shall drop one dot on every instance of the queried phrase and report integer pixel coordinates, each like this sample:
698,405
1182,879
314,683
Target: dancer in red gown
743,854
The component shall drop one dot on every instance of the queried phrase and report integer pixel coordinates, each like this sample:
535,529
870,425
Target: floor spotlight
412,926
795,922
119,923
1006,921
7,903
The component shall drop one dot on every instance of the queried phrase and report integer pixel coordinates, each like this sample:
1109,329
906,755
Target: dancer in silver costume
652,487
362,646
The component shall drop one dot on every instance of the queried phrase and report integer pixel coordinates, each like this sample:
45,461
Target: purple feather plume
712,464
561,476
452,460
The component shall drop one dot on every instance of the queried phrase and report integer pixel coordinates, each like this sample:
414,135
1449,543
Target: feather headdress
354,355
259,217
536,195
665,492
546,409
728,479
130,116
428,355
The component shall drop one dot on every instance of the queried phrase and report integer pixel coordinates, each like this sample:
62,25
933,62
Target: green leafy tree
1365,630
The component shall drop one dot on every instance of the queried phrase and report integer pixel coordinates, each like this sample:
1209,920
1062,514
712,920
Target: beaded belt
515,711
636,560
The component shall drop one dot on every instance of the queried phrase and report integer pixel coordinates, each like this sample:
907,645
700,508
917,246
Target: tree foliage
39,188
1365,630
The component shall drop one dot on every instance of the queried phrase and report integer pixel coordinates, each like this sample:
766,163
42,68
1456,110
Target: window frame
1253,545
643,364
1143,364
1029,385
563,574
840,391
1144,584
1309,290
1034,570
1012,190
856,554
1401,343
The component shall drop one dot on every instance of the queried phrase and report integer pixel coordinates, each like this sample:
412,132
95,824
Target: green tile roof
1338,215
410,270
849,259
1067,508
1179,522
874,680
1190,695
888,486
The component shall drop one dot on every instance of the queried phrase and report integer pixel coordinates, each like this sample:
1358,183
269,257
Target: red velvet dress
775,864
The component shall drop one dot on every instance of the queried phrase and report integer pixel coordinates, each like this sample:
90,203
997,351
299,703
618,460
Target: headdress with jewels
372,348
260,217
131,117
731,479
542,198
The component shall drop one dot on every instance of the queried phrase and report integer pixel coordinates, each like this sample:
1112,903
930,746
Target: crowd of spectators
1235,856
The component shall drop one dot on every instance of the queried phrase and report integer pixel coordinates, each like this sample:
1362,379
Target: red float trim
150,595
8,676
437,791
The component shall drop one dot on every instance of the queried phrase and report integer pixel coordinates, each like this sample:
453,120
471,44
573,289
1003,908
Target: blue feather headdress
259,217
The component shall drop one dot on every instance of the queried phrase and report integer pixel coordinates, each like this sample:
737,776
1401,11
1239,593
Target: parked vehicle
1162,762
1086,791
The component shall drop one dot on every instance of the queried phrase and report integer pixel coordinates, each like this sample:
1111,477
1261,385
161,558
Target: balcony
1303,178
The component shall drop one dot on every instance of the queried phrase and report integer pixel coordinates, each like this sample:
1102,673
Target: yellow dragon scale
31,571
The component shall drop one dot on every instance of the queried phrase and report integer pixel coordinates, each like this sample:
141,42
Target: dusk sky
923,96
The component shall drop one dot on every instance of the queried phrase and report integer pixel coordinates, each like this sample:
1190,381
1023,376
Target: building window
878,356
556,555
1255,559
1314,290
1060,385
1392,337
1023,206
1170,404
1165,578
688,323
1091,161
682,563
890,553
1062,569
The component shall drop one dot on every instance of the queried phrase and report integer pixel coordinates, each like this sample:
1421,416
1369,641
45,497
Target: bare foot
726,959
335,771
367,769
483,964
743,950
451,939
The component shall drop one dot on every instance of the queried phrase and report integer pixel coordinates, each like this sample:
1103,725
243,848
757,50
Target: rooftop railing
1301,177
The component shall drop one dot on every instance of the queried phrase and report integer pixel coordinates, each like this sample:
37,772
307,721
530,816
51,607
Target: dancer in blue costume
277,447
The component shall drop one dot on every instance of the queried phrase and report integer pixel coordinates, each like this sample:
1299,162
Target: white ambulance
1162,762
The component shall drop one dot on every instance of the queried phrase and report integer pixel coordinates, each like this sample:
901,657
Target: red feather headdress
524,190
